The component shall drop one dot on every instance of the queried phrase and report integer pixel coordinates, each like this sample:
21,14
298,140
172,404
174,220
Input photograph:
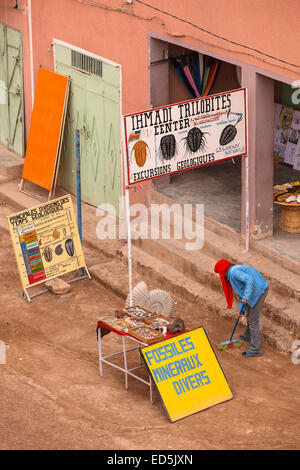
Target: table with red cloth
127,371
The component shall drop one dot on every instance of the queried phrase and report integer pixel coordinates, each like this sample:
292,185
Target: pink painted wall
120,32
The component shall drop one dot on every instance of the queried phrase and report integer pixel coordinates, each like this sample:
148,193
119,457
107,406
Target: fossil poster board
46,241
167,140
187,374
46,130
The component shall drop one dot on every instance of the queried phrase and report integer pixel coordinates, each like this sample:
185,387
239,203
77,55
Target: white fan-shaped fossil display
157,300
140,296
160,302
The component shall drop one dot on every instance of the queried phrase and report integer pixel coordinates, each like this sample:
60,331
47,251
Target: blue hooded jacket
247,282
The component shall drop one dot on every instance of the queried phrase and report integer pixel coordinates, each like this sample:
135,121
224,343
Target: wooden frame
151,320
155,339
136,317
58,152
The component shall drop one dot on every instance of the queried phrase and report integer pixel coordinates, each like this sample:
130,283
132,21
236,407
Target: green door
11,90
94,108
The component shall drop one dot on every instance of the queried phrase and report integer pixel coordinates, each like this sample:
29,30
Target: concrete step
11,165
231,241
5,211
275,335
113,275
184,280
200,268
211,301
284,282
213,225
283,312
174,281
195,264
284,276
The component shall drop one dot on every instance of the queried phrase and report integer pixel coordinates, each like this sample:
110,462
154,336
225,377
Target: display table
125,350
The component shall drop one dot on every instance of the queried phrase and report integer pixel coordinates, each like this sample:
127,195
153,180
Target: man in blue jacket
252,289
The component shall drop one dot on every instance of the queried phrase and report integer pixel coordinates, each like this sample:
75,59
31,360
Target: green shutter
11,90
94,108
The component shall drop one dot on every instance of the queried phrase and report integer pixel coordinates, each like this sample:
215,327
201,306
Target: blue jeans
252,333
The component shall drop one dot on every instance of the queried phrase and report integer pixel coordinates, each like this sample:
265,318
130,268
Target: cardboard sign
178,137
46,241
187,374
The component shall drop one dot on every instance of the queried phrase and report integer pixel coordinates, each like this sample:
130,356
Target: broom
232,342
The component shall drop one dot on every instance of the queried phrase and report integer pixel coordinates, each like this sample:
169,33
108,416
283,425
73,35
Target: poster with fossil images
181,136
46,241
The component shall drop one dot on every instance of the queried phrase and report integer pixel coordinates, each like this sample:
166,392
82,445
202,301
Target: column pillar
261,163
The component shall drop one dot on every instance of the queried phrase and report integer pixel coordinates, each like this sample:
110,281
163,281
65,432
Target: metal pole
247,182
127,202
247,203
151,390
79,222
100,352
79,219
125,362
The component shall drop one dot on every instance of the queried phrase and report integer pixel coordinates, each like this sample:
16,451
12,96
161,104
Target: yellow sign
187,374
46,241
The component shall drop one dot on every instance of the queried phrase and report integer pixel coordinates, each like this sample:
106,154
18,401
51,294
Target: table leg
100,352
125,362
151,390
140,354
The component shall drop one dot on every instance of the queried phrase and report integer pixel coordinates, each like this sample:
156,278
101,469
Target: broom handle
236,323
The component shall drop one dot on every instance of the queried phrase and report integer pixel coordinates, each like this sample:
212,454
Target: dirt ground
53,398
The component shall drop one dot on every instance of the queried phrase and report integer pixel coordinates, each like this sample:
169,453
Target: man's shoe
244,338
251,354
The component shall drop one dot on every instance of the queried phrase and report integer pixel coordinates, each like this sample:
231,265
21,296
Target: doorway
217,186
11,90
286,166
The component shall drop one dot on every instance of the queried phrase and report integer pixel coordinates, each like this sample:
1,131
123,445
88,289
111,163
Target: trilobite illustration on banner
186,135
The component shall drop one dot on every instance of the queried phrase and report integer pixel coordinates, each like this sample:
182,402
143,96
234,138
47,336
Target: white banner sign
181,136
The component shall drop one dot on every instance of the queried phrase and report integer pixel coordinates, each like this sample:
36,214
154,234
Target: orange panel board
45,133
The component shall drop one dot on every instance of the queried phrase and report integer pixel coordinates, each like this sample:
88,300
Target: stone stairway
190,274
11,165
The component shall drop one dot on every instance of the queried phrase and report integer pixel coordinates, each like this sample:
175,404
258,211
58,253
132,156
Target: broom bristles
234,344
